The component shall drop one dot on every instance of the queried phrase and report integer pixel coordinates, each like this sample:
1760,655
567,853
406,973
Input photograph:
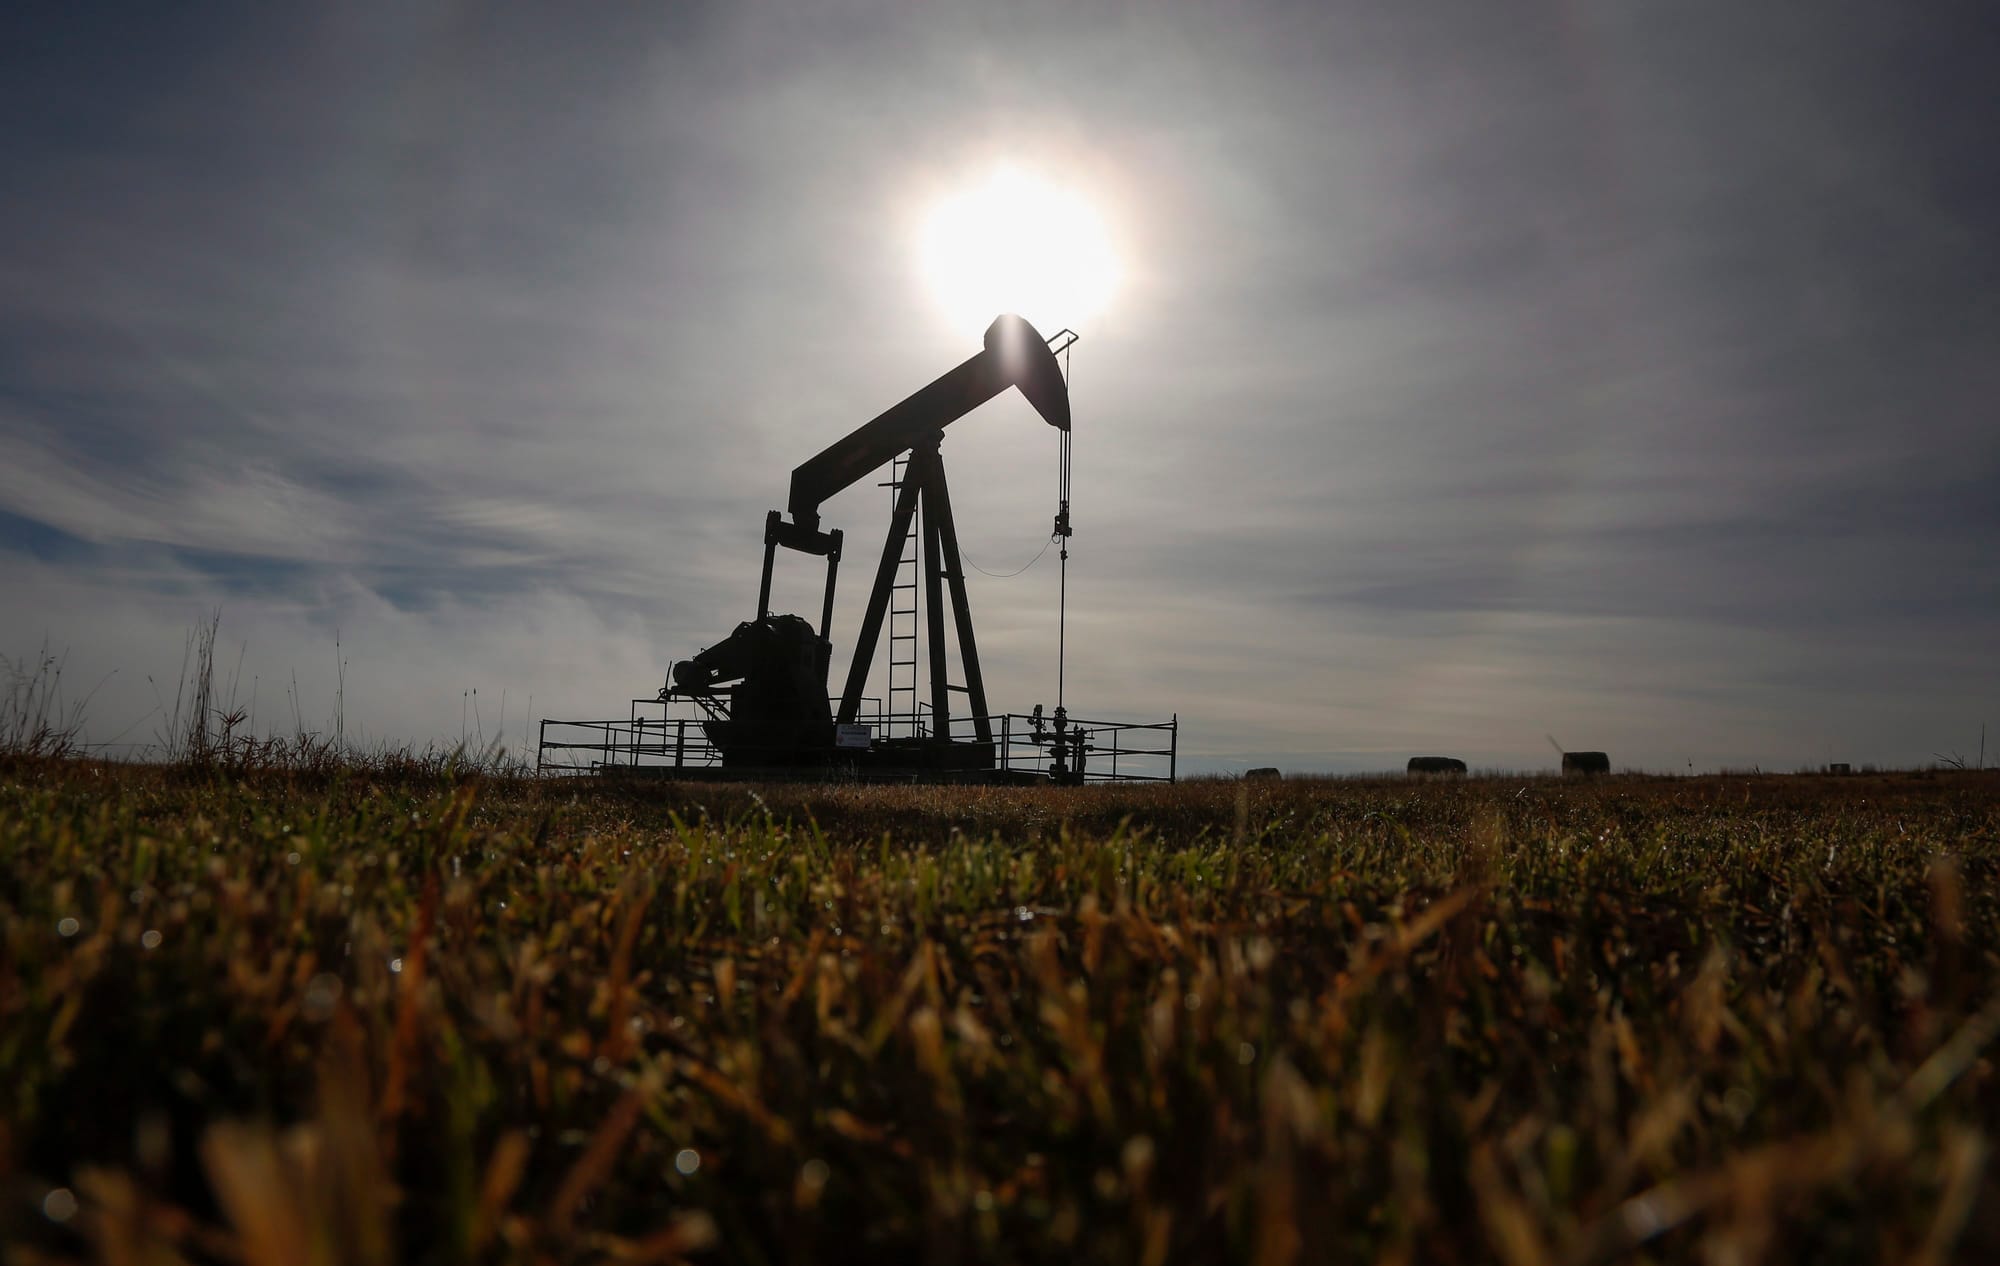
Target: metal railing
668,736
1092,751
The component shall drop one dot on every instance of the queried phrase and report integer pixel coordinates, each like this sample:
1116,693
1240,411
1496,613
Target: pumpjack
761,693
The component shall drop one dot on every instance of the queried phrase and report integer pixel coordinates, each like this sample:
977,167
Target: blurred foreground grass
361,1017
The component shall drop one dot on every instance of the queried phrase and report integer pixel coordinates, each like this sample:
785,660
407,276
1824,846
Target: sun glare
1018,243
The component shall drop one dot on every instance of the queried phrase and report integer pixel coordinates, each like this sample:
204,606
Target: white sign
852,736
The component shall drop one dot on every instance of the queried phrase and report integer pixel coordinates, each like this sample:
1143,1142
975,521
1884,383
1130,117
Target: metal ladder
903,619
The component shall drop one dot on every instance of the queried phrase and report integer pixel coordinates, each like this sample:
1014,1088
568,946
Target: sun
1016,242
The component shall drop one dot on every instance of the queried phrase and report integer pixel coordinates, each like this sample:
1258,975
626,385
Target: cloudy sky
1474,372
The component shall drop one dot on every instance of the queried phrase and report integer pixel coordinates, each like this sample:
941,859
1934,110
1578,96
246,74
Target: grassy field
359,1016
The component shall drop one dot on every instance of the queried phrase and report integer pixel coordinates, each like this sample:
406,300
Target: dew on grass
321,996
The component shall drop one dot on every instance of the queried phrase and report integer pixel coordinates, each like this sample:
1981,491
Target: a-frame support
951,567
878,597
943,569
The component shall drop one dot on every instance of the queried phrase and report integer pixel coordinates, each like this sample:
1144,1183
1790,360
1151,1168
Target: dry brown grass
342,1016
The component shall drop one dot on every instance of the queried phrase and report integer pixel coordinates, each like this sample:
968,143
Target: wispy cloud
1475,375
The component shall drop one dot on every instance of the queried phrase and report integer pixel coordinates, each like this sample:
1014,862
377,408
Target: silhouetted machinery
760,695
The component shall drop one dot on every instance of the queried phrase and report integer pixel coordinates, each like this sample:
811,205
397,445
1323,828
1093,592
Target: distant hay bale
1445,766
1840,767
1586,763
1262,773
